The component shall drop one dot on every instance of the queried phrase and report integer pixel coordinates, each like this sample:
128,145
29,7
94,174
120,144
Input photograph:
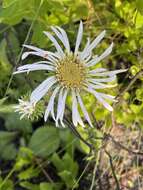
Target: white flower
71,73
25,108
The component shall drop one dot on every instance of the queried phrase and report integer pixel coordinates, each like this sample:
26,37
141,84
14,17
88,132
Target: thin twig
128,87
108,136
76,133
113,171
44,171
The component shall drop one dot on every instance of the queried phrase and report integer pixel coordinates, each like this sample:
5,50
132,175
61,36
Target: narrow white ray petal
99,85
43,55
50,107
26,54
79,38
88,58
109,79
75,114
51,58
101,57
93,61
74,109
18,72
36,66
48,53
33,48
85,48
93,44
60,105
42,89
107,96
65,37
84,110
108,73
63,104
100,99
59,35
47,62
98,70
62,35
57,46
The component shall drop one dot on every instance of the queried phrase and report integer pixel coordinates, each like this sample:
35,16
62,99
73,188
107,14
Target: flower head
25,108
71,73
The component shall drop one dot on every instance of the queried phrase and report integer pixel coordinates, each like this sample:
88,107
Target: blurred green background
38,156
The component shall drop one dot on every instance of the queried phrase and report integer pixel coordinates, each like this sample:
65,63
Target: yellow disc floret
70,72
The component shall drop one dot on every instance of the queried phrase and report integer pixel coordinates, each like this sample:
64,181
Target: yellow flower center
70,72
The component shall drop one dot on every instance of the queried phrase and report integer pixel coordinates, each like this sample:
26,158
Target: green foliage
38,156
7,148
8,185
48,141
67,169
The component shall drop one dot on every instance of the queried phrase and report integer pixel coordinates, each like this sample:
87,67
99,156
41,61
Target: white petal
63,104
34,67
109,79
98,70
81,54
49,53
26,54
62,35
57,46
84,50
99,85
108,73
107,96
60,106
84,110
79,38
33,48
50,107
75,114
42,89
65,37
100,98
93,44
102,56
40,54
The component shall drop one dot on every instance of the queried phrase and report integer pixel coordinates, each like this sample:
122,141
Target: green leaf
46,186
7,148
82,11
14,123
29,186
139,5
28,173
6,137
9,152
14,12
67,168
7,3
139,21
5,66
68,178
24,158
7,186
38,37
44,141
139,94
